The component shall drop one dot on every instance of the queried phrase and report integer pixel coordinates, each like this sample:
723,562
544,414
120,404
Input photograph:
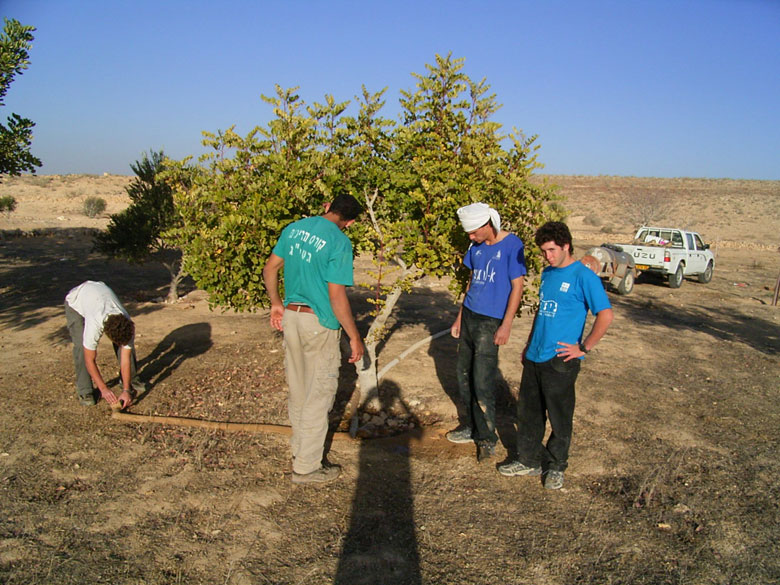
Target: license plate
642,267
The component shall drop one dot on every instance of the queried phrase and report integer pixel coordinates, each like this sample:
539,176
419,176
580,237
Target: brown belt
299,308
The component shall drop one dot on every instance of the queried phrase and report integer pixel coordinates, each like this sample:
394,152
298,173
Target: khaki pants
312,359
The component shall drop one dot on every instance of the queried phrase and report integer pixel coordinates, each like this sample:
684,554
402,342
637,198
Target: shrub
7,204
136,233
593,220
94,206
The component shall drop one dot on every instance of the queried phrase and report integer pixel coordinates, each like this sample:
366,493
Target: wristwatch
583,349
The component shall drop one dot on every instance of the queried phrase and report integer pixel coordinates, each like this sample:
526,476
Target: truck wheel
627,284
676,279
706,276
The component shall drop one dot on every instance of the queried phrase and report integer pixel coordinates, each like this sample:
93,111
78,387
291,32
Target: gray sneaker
485,450
138,387
460,435
516,468
321,475
553,480
87,400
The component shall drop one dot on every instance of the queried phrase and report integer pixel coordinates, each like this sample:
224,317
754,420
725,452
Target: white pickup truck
672,253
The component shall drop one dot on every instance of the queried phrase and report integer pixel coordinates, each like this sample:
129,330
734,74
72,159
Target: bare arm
570,351
90,360
125,356
515,296
271,280
341,308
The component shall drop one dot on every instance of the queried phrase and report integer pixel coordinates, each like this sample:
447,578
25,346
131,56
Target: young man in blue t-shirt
551,359
316,257
497,262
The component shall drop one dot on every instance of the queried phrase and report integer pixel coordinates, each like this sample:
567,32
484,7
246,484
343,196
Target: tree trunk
177,273
368,382
367,371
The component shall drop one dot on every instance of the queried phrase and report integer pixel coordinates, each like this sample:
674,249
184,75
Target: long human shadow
181,344
380,546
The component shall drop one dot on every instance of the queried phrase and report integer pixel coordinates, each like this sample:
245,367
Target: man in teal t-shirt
551,359
317,260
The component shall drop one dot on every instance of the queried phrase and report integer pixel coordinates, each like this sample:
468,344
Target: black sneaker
485,450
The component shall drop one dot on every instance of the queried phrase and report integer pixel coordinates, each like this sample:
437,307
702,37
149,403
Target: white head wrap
476,215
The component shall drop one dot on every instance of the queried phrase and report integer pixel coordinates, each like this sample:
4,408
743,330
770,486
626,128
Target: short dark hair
554,231
345,206
119,329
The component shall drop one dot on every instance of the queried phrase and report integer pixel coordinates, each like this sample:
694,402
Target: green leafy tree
411,175
16,134
446,153
234,207
136,233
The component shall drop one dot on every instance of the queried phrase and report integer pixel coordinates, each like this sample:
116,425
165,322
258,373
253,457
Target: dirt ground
673,469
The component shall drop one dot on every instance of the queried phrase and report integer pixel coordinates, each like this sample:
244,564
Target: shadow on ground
720,322
381,542
186,342
38,271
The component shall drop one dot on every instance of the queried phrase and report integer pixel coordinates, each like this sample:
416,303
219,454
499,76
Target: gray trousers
312,357
83,379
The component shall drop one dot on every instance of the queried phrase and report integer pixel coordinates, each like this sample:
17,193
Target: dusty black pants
546,391
477,372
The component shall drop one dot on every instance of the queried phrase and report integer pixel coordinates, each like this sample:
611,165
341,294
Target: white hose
409,350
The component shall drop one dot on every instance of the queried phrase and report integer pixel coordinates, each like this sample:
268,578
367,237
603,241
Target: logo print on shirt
548,308
564,287
304,244
488,274
484,276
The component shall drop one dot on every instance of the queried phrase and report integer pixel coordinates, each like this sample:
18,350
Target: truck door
696,259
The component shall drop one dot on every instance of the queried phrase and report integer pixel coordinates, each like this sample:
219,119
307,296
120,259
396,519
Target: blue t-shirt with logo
565,297
493,268
315,252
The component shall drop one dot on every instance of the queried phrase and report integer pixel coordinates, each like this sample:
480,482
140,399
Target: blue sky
656,88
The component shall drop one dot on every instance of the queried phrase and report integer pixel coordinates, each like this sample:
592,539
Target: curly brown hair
554,231
119,329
